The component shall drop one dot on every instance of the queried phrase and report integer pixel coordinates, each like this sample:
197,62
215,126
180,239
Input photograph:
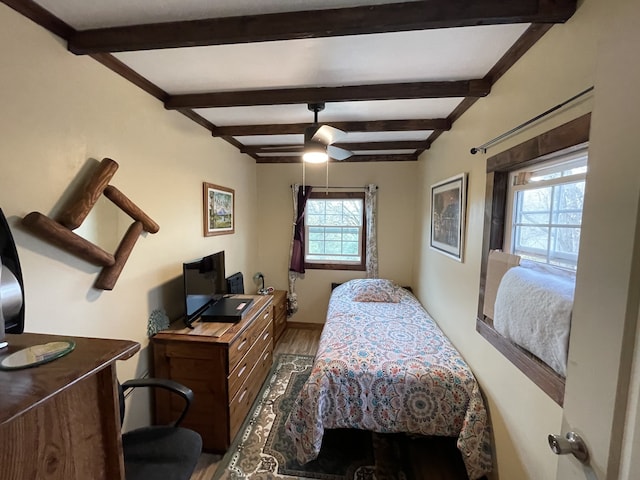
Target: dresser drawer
242,371
241,345
280,307
279,326
242,401
280,303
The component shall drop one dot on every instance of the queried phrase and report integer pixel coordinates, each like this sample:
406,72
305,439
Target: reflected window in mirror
533,191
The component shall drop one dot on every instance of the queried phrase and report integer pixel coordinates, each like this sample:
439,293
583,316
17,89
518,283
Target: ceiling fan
319,140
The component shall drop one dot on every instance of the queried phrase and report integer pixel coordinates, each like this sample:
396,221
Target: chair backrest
121,399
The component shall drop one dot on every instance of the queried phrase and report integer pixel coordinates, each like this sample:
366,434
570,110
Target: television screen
204,283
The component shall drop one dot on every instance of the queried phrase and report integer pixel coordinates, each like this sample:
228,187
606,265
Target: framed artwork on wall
218,210
448,205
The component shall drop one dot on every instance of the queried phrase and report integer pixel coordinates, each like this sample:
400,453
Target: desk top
28,388
214,332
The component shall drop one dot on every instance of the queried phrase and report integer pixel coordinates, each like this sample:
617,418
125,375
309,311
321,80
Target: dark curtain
297,253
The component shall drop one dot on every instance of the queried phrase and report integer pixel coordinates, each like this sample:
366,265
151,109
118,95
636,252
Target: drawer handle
266,355
244,367
265,336
266,315
242,344
242,396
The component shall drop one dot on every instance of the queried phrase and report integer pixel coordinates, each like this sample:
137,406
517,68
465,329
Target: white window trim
556,163
337,264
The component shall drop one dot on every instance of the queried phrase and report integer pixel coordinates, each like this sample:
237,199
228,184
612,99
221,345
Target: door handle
571,443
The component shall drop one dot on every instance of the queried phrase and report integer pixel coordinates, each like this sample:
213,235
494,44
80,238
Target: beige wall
559,66
396,214
60,114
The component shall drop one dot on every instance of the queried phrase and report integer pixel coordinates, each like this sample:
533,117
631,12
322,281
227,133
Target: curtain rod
330,187
483,148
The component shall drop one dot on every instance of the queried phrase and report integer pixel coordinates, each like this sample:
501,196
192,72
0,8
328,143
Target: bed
384,365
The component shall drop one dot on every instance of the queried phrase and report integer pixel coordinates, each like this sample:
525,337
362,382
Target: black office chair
162,452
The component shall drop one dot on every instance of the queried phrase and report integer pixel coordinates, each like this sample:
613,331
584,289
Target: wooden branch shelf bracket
60,232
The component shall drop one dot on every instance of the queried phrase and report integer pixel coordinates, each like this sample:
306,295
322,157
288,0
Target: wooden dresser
61,420
279,313
225,370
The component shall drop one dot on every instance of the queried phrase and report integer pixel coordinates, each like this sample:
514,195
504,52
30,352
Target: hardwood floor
431,458
303,341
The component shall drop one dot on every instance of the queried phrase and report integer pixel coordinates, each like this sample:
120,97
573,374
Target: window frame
571,136
362,265
559,162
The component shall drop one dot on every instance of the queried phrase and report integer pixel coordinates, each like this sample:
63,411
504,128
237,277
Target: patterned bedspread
387,367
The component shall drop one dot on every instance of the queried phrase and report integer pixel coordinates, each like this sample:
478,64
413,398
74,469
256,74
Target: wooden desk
225,371
61,420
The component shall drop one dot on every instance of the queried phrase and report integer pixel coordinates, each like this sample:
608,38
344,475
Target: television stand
225,371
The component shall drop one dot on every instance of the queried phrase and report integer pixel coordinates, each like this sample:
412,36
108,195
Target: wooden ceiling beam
364,126
409,157
395,17
348,93
298,148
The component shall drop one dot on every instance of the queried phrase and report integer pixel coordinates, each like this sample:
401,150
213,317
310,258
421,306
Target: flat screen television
205,292
204,284
11,285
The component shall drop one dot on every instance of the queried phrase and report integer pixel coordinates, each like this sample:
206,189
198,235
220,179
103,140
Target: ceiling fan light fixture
314,152
315,157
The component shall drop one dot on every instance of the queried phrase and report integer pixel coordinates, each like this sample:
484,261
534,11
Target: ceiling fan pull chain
327,180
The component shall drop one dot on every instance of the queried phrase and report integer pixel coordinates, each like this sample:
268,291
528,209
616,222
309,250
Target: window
530,160
544,211
335,231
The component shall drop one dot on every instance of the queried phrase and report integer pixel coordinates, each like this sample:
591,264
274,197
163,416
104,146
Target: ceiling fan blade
328,135
338,153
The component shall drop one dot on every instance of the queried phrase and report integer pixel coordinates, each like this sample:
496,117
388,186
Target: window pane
334,230
334,248
350,248
571,195
333,220
538,200
315,248
533,218
547,212
565,240
532,238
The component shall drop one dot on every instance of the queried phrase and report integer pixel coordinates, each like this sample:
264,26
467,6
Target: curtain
371,209
296,251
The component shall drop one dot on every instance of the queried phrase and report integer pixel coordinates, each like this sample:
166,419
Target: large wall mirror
567,138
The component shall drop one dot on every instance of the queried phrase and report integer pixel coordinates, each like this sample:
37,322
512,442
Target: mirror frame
570,136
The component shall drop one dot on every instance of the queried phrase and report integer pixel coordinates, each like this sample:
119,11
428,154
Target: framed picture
218,210
448,205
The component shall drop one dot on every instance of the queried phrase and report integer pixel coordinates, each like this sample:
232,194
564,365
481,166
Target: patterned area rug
261,449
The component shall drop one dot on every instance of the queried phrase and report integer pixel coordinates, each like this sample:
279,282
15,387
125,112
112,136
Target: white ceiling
430,55
427,55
